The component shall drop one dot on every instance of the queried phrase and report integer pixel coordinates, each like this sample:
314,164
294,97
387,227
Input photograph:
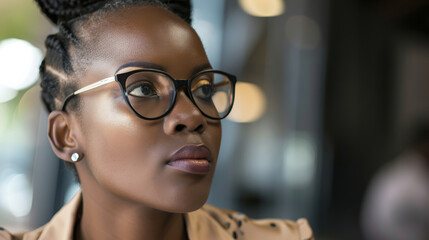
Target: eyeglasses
151,93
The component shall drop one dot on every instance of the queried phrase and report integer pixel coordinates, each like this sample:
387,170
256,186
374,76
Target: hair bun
183,8
63,10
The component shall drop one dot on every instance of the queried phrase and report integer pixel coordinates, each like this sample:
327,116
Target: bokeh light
249,104
19,64
3,119
7,94
299,160
18,194
263,8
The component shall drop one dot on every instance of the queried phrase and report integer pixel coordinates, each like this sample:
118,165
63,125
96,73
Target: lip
194,159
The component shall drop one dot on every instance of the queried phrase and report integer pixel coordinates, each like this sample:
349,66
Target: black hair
57,68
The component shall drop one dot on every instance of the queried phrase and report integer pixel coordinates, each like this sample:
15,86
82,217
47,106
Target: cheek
121,149
126,156
119,146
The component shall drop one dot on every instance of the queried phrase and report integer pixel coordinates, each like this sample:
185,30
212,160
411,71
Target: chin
187,203
192,207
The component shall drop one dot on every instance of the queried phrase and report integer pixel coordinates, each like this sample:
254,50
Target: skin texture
128,190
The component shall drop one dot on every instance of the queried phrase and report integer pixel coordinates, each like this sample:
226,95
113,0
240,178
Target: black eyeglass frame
121,78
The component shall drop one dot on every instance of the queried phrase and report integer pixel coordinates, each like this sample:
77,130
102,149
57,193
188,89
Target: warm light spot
249,104
303,32
263,8
19,64
220,100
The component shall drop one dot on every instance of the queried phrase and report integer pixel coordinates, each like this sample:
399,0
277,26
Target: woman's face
132,158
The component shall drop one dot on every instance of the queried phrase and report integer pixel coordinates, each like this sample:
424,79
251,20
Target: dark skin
129,192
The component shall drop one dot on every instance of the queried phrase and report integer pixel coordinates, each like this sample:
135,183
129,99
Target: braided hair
57,68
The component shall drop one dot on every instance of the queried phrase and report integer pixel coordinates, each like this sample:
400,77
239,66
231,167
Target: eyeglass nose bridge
182,83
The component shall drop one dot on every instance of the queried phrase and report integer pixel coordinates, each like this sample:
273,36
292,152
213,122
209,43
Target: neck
113,218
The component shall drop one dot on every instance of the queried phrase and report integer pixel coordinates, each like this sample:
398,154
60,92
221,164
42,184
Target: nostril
199,128
180,127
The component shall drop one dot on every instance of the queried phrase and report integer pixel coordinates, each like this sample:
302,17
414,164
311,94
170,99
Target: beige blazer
206,223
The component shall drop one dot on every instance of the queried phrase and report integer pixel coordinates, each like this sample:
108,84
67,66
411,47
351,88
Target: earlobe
60,133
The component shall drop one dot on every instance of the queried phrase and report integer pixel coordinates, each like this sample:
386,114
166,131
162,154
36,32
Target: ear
61,135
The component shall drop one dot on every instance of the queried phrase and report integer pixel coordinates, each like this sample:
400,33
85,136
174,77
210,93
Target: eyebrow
141,64
201,67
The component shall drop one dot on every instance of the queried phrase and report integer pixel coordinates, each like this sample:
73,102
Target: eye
203,89
142,89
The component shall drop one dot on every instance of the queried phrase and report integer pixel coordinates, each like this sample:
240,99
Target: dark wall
360,102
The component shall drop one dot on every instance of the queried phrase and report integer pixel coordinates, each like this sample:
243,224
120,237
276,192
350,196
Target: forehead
144,33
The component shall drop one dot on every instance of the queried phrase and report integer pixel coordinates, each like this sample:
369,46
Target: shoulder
60,226
225,224
6,235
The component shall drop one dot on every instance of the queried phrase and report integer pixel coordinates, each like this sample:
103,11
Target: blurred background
330,122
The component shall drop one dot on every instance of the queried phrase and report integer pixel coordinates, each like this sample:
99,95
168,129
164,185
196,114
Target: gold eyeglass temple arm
95,85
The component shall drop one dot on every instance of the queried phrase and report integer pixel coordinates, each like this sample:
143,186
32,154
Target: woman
135,110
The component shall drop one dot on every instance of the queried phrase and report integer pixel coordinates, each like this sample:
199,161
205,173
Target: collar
61,226
207,222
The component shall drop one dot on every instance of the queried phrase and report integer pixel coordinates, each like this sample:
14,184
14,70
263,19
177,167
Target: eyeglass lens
151,94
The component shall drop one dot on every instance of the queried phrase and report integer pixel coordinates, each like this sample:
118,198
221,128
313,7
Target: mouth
193,159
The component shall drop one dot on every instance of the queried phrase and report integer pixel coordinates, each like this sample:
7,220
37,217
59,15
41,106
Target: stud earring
75,157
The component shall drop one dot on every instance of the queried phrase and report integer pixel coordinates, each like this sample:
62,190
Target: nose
184,117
